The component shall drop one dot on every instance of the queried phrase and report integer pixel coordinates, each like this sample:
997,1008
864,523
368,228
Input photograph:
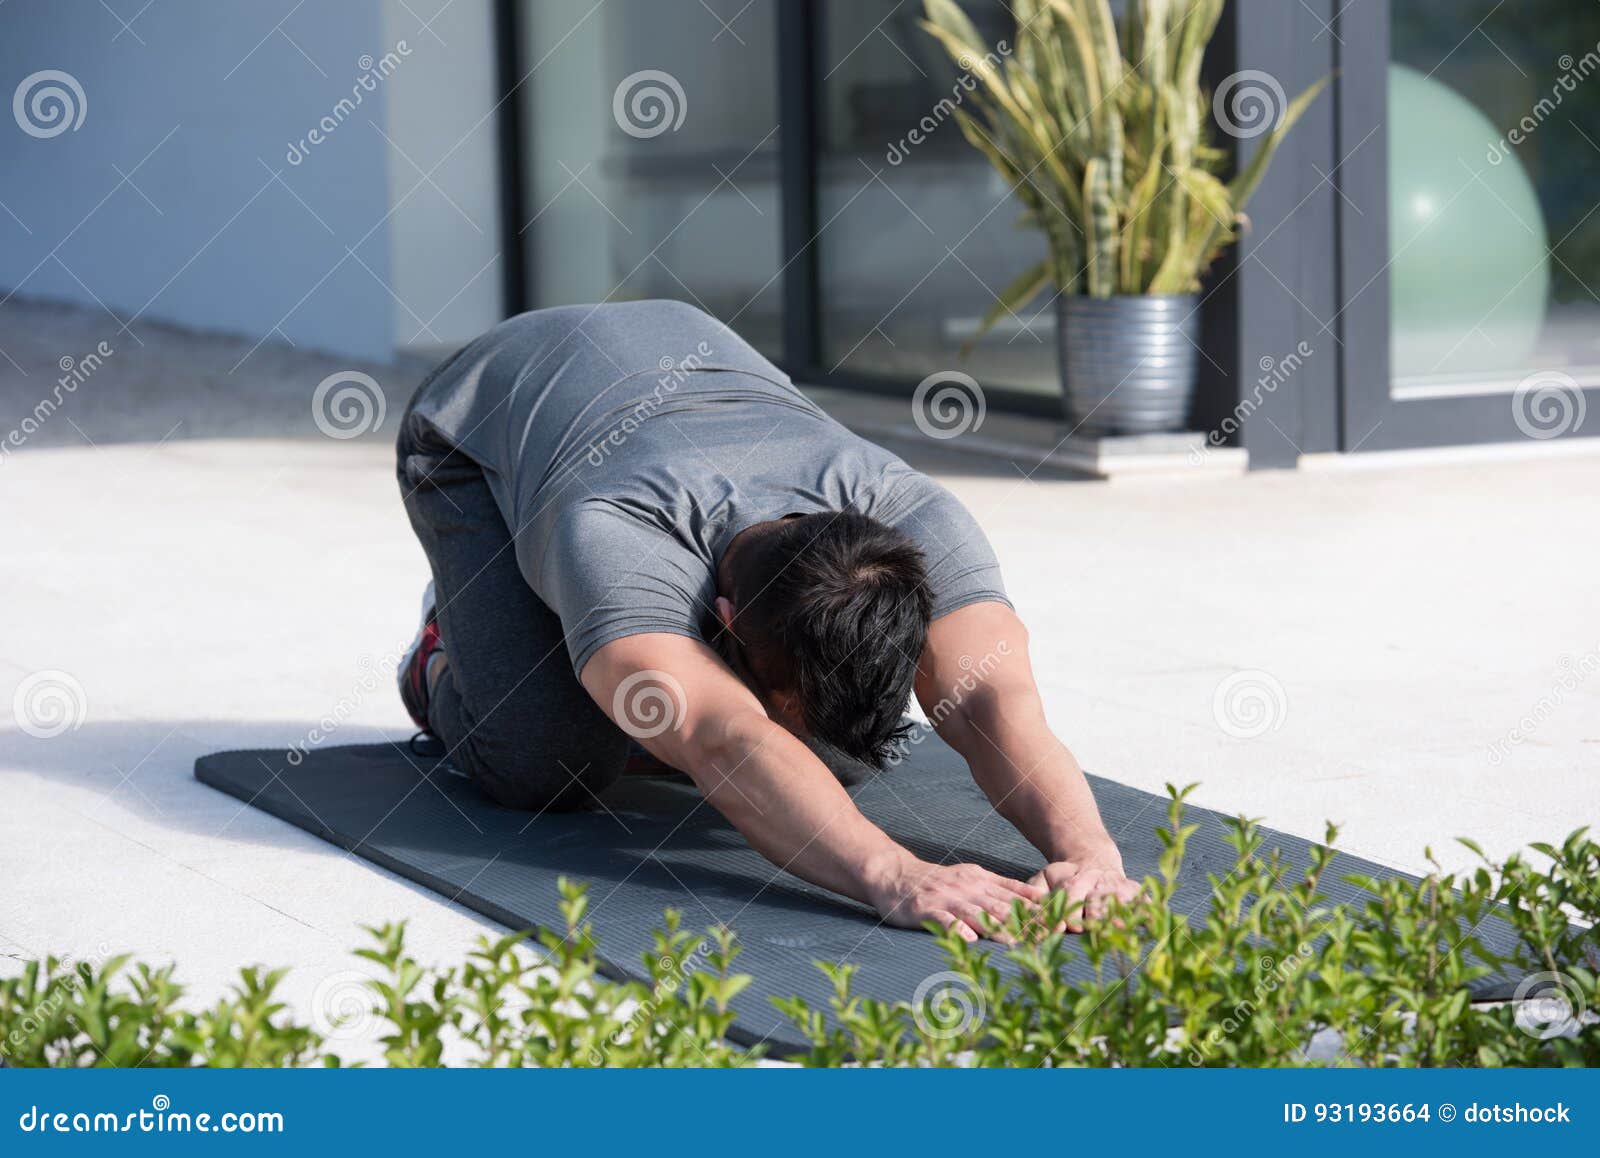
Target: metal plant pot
1128,362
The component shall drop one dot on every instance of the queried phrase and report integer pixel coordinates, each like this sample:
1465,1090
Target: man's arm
975,683
685,706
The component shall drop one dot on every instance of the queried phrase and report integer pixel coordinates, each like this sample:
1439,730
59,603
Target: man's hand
975,682
957,896
1093,884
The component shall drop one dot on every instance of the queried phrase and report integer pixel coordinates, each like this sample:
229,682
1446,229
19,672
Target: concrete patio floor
209,587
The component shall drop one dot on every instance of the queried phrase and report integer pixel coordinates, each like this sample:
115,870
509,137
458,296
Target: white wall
174,197
348,249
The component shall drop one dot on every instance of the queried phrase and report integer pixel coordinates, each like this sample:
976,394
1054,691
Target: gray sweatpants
508,708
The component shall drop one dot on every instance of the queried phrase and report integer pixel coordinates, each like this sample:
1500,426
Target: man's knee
527,795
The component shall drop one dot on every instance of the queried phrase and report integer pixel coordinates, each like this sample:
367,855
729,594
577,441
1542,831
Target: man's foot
412,674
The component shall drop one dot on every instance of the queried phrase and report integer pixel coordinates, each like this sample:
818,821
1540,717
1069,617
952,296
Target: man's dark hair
834,607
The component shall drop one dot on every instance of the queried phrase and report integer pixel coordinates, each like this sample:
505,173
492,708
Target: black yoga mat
652,844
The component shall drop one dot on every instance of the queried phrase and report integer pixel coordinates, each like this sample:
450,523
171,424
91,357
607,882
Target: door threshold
1463,453
1032,443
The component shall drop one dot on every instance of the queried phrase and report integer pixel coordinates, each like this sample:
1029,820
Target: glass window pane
1494,166
653,156
917,239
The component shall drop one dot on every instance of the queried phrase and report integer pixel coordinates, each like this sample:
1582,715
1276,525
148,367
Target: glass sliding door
651,158
916,234
1494,172
1468,167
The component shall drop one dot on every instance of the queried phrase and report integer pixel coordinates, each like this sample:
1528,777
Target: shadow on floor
145,769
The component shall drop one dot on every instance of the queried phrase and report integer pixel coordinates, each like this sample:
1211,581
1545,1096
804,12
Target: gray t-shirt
627,444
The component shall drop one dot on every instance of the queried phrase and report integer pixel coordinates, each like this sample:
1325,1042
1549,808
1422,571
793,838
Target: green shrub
500,1007
1269,965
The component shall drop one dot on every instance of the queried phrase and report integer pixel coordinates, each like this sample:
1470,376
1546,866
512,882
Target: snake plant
1107,141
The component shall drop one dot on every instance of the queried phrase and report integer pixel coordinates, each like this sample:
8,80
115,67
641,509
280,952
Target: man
640,530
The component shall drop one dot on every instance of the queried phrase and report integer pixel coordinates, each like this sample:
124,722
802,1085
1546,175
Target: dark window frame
1372,419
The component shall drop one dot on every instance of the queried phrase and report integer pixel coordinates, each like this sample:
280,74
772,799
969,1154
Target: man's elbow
713,746
989,710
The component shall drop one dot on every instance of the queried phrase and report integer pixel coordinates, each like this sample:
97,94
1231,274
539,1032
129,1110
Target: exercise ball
1470,272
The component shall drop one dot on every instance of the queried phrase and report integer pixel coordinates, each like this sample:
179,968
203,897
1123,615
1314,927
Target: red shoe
412,675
